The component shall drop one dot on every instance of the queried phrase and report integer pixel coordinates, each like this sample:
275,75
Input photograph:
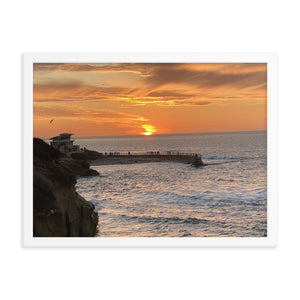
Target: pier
111,158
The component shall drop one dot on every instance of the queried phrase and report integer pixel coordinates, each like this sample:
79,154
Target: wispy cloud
160,84
142,69
58,91
210,79
120,97
78,112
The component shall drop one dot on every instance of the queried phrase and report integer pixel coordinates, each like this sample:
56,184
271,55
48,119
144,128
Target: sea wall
141,158
58,210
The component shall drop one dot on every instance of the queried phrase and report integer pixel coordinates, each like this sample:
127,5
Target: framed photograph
150,150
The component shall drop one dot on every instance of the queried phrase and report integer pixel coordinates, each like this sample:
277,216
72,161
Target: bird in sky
51,121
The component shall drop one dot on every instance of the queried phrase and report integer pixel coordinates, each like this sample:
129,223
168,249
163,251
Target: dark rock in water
58,210
197,161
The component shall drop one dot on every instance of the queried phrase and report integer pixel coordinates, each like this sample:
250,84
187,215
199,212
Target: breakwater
153,156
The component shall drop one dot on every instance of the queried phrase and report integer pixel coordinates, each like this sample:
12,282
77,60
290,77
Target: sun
147,133
149,130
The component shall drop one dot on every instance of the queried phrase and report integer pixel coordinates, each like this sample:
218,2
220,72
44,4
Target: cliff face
58,211
78,167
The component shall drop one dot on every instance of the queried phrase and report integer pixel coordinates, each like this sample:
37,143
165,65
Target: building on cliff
63,143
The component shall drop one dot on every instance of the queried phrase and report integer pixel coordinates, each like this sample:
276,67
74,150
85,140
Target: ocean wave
215,157
218,160
163,220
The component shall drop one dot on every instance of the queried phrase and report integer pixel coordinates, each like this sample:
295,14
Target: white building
64,143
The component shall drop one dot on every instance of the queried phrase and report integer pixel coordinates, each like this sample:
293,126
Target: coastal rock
78,167
58,210
197,162
92,155
87,155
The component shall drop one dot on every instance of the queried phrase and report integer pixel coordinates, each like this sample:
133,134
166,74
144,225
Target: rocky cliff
58,211
79,167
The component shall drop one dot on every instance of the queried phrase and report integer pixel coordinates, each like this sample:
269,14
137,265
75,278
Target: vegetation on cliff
58,210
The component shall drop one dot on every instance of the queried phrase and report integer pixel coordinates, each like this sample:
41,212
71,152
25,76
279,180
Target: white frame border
272,131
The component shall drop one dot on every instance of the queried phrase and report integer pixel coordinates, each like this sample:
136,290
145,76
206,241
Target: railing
150,153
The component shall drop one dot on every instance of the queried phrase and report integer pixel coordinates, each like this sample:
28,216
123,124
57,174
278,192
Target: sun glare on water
149,130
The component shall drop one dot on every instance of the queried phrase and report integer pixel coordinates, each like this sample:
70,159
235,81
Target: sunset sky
94,99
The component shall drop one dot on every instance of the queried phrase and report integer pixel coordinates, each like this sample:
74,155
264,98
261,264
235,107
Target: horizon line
162,134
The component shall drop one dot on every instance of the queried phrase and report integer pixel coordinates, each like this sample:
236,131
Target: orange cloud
172,96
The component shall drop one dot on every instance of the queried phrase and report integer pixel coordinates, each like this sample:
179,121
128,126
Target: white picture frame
272,202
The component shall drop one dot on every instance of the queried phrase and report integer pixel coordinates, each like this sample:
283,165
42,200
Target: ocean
225,198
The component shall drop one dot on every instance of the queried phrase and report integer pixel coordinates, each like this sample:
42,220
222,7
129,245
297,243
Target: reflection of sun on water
149,129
